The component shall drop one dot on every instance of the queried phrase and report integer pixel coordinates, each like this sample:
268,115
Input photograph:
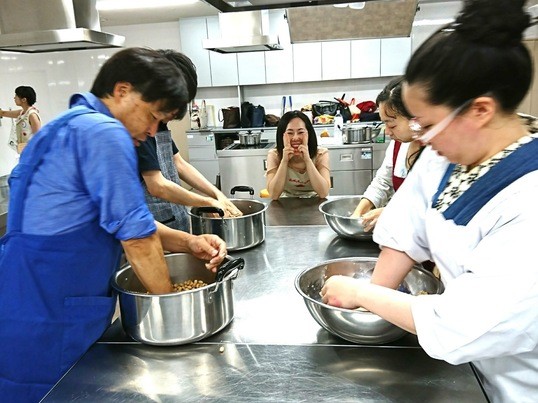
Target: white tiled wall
56,76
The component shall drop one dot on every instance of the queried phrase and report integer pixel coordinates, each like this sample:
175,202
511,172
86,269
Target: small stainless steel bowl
337,214
357,326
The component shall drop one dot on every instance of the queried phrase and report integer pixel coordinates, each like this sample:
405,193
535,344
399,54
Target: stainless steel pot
239,233
177,318
249,138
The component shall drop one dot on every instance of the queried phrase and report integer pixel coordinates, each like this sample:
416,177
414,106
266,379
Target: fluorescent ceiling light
355,6
108,5
426,22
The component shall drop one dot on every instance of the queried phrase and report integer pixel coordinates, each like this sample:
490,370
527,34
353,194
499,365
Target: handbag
257,116
230,117
325,108
246,114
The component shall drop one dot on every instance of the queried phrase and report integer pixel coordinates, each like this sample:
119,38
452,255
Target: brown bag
230,117
271,120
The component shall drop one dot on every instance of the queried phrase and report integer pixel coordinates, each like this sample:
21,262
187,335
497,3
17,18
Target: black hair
150,73
283,125
391,96
480,53
187,68
24,91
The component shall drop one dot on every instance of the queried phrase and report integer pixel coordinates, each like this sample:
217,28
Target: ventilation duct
245,31
38,26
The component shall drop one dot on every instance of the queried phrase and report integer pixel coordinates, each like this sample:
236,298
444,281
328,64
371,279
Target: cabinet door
365,58
279,65
349,182
251,68
395,53
335,60
223,66
307,61
192,31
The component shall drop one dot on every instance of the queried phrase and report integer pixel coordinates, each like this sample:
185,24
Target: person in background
27,120
297,167
75,201
400,156
469,204
161,167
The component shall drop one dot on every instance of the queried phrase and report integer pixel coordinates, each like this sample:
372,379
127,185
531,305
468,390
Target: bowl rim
123,291
325,262
352,258
322,205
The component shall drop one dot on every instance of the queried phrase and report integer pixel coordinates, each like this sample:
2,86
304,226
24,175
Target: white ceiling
168,14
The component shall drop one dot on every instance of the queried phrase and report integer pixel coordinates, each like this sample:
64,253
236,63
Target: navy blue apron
519,163
54,290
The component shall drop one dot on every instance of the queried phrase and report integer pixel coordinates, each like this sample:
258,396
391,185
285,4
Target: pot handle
231,264
242,189
208,209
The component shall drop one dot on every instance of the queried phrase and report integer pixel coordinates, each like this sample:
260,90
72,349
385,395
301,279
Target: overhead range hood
245,31
38,26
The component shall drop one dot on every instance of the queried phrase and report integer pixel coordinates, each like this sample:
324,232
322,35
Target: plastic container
338,127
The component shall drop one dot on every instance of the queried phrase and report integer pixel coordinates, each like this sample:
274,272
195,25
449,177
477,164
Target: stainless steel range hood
37,26
246,31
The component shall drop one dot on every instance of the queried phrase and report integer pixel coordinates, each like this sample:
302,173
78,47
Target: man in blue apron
75,201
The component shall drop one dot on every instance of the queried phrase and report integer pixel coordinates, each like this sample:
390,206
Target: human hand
230,209
341,291
208,247
288,151
369,219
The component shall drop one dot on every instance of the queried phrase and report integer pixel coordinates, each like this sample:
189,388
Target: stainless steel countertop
273,351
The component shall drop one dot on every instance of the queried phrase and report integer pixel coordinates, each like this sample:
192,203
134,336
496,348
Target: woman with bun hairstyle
469,204
297,167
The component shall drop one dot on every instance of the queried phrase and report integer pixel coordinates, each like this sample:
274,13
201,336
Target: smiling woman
297,167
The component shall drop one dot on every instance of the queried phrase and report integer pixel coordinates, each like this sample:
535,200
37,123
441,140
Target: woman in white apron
469,205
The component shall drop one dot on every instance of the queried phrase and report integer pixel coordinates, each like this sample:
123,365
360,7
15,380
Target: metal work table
273,351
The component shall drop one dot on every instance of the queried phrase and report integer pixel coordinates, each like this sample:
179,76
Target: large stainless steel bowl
337,214
177,318
357,326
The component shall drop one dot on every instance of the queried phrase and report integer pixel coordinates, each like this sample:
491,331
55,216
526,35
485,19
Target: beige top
297,180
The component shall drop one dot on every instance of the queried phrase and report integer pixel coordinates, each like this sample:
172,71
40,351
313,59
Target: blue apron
519,163
55,298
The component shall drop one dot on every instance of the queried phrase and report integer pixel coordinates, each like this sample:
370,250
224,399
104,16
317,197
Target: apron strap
519,163
29,163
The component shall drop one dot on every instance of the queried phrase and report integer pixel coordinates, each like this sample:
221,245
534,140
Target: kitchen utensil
239,233
250,138
337,214
183,317
357,326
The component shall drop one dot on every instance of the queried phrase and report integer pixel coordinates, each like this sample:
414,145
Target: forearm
195,179
391,305
173,240
146,257
391,268
276,184
320,185
9,114
174,193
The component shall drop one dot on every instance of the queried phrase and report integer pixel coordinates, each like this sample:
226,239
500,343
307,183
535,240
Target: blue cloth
89,173
520,162
55,295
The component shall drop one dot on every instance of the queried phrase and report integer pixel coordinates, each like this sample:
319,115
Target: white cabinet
395,53
251,68
279,65
336,60
365,58
307,61
192,32
223,66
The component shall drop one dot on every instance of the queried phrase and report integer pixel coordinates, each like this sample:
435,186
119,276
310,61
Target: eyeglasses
426,137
